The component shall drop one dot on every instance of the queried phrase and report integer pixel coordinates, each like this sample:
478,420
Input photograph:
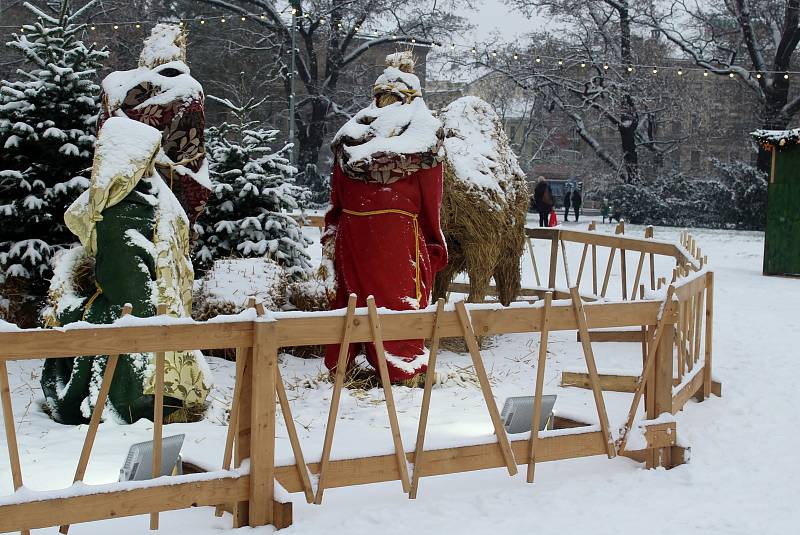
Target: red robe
376,254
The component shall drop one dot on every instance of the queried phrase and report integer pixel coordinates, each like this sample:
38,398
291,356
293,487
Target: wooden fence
674,328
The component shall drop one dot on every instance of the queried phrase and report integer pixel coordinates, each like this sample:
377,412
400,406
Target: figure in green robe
149,170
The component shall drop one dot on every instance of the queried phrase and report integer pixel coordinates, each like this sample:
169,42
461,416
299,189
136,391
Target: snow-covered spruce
47,118
253,187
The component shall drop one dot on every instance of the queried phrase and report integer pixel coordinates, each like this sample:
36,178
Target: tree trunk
775,98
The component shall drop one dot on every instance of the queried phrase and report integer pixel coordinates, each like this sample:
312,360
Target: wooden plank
97,413
244,358
341,368
566,264
103,505
486,387
11,436
291,429
638,275
234,411
537,400
551,278
602,414
426,402
582,264
383,371
158,415
663,379
105,340
688,390
608,382
314,329
613,336
650,363
698,324
262,422
607,275
533,261
709,312
607,240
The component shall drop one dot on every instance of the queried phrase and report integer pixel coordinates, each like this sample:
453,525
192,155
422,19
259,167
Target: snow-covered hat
167,42
398,78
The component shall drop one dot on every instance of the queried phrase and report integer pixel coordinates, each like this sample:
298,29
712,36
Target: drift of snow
739,481
163,46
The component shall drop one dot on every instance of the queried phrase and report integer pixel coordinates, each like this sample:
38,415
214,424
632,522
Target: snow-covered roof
777,137
477,147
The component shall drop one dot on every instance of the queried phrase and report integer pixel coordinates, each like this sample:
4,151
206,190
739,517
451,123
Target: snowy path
741,478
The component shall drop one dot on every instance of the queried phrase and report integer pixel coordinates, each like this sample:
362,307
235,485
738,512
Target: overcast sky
495,16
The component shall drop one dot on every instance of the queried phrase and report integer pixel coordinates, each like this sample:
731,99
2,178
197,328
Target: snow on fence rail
670,319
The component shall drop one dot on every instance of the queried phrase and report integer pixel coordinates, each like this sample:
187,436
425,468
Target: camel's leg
479,270
441,283
507,277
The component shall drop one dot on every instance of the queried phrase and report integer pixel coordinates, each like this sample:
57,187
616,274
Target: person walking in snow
577,200
543,200
382,229
604,210
567,203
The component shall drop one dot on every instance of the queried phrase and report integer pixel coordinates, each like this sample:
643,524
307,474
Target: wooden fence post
158,414
663,378
244,360
11,432
262,422
709,333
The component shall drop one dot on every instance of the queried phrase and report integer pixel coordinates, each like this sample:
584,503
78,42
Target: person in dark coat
567,202
543,200
577,200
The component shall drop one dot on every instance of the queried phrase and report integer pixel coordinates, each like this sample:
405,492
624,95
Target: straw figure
485,202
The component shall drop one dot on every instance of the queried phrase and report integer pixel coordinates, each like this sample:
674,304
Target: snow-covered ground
742,477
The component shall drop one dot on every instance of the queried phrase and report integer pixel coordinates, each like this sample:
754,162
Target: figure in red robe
383,223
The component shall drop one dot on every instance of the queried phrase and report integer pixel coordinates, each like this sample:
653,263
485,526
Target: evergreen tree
47,123
253,189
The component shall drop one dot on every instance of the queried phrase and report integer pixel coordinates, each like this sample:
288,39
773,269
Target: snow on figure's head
162,93
167,42
396,135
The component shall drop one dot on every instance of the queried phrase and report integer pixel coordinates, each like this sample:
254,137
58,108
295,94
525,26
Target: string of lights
474,50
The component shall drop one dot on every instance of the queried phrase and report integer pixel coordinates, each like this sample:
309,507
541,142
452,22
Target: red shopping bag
553,219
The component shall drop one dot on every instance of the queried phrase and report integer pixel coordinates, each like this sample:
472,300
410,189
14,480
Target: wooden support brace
537,400
591,366
158,415
283,513
486,388
533,260
341,369
227,455
638,276
566,264
94,421
551,277
430,375
383,370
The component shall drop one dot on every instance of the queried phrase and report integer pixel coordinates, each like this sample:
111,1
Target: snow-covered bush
225,288
253,189
736,198
47,134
